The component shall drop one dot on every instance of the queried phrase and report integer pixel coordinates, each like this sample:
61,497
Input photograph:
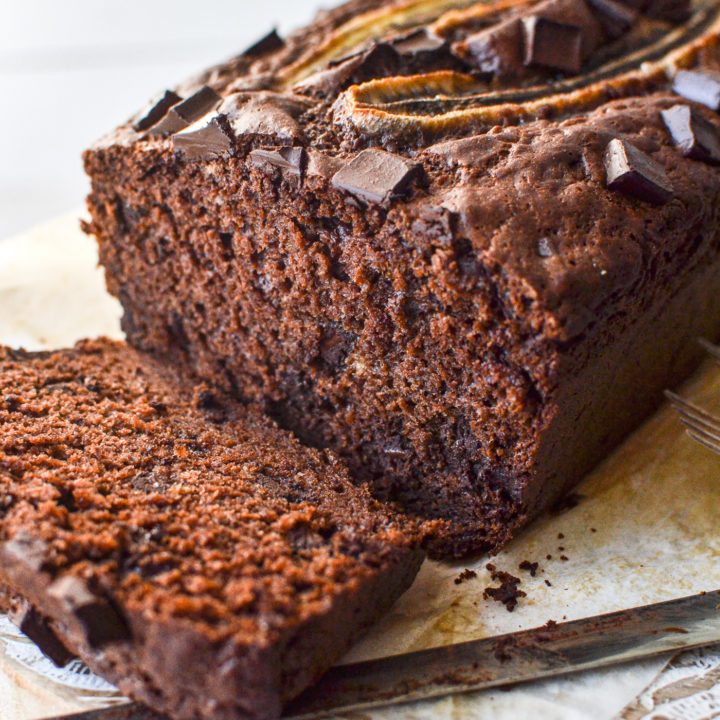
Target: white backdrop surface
72,70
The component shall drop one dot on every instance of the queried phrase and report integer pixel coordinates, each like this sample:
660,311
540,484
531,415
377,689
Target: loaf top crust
484,122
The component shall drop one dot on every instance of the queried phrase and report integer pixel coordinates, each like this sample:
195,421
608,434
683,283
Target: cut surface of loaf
184,547
463,244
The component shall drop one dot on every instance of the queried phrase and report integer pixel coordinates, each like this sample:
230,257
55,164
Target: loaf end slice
183,546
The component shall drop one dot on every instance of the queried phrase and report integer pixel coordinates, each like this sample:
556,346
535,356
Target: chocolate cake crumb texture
464,576
508,592
531,567
428,237
155,528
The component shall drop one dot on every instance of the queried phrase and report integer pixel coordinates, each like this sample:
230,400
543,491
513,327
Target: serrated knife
503,660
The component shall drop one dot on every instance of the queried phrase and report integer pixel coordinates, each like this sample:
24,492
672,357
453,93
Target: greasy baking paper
645,529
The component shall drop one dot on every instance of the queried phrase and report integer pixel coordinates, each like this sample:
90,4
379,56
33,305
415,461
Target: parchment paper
646,529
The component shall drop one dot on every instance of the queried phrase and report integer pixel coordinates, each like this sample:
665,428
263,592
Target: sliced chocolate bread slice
183,546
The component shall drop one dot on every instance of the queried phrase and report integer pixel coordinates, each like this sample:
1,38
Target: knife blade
548,651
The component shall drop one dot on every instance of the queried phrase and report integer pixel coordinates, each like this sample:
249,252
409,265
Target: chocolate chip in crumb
100,622
632,172
12,403
291,160
38,629
26,550
546,248
150,482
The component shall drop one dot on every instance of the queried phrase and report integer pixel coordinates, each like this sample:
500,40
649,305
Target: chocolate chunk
422,51
288,159
12,403
37,628
419,42
633,172
150,482
496,50
267,115
187,112
696,137
100,622
271,42
381,60
375,175
156,110
322,165
615,18
25,550
552,45
546,248
435,225
700,86
206,139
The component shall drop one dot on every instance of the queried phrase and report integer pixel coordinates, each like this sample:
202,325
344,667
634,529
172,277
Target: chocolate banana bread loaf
186,548
463,244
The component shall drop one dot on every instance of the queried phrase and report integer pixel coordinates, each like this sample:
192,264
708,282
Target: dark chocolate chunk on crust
205,139
181,115
615,17
552,45
633,172
289,159
375,176
696,136
267,44
156,110
702,86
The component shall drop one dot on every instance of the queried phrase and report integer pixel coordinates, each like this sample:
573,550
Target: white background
70,70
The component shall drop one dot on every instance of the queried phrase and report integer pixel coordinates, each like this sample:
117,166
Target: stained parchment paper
646,528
